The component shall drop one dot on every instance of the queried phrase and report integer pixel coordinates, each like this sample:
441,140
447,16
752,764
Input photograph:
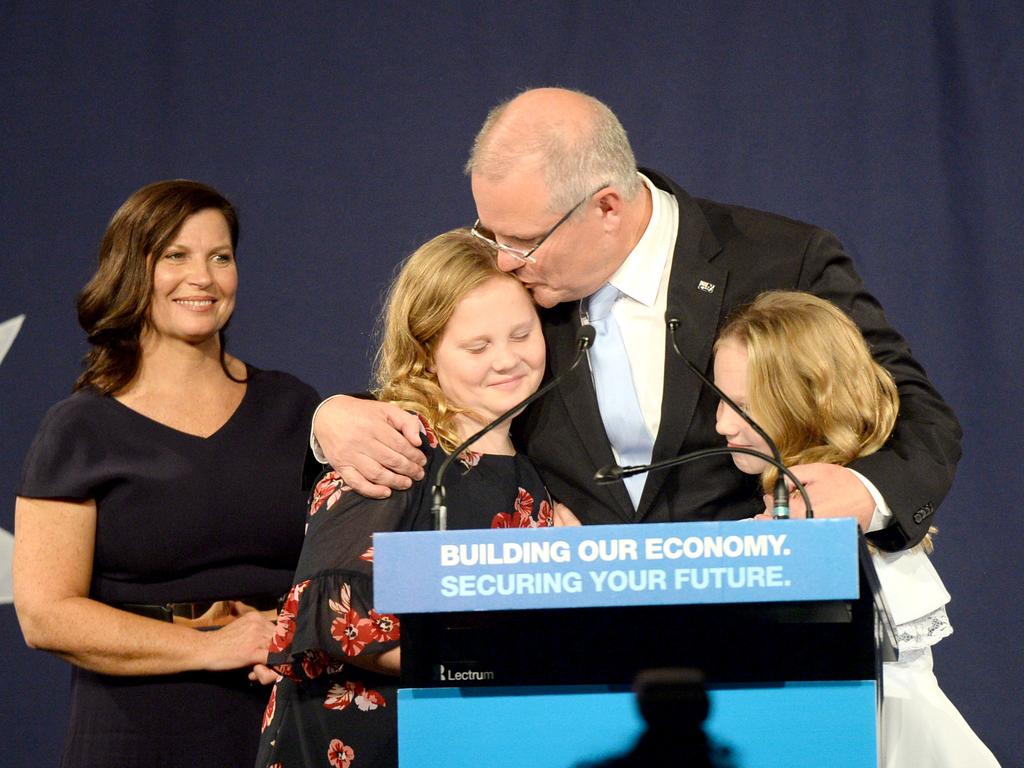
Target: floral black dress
326,711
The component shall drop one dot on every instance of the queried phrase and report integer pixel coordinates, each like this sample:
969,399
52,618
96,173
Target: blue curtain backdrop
340,130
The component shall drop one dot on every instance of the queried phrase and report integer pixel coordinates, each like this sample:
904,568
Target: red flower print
287,671
340,696
384,626
367,555
545,514
524,502
352,632
327,492
522,517
431,437
368,699
268,713
470,459
339,754
345,599
286,619
313,663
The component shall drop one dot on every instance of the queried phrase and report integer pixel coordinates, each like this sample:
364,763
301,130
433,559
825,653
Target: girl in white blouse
803,371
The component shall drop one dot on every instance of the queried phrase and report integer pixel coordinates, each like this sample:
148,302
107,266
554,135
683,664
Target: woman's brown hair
113,307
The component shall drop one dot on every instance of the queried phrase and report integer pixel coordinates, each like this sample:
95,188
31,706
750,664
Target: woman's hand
263,675
242,643
53,551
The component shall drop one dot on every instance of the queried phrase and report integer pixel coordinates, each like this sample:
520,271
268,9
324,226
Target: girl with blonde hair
461,344
803,371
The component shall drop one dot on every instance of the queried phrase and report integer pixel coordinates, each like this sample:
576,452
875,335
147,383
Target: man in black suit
559,196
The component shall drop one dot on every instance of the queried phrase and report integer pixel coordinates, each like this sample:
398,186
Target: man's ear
611,205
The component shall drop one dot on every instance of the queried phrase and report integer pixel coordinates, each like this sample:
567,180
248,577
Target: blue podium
519,646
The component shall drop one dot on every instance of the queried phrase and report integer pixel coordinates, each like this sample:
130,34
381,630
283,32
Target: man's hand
373,446
835,491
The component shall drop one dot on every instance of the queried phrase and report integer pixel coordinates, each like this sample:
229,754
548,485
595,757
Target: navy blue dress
179,518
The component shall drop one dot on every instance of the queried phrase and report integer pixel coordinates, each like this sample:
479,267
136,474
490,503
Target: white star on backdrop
8,331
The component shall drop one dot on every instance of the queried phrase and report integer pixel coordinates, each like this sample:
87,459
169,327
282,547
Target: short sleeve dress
326,711
179,518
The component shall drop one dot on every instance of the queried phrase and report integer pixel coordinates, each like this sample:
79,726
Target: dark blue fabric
340,129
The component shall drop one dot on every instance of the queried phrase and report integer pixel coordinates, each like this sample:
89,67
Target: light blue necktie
616,394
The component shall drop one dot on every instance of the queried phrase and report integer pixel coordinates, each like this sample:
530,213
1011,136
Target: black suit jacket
724,256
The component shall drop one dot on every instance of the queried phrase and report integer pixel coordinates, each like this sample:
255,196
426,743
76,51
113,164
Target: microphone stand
613,473
584,339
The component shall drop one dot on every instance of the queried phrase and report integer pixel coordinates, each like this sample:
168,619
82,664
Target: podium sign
605,565
543,630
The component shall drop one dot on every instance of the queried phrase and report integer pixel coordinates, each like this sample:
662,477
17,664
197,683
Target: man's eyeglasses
526,256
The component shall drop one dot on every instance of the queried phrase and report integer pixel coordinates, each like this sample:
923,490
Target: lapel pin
705,286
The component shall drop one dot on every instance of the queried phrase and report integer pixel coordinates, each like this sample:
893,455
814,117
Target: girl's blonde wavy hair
429,285
812,383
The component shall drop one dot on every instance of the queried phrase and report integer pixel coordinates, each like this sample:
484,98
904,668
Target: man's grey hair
575,162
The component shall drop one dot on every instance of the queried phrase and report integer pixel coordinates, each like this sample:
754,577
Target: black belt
167,611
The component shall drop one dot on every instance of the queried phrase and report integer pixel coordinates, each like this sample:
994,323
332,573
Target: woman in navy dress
462,344
159,515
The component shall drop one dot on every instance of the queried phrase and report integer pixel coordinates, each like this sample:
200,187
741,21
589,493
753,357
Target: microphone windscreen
585,338
608,474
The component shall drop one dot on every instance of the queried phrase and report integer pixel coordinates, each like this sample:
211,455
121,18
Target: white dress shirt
643,279
640,312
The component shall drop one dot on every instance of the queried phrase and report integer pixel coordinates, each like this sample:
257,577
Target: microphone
780,503
584,340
